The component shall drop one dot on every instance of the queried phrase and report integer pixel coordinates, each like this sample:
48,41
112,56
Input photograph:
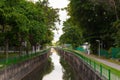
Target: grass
2,55
3,58
113,70
117,72
13,58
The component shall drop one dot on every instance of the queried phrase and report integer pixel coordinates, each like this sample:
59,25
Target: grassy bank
14,58
105,70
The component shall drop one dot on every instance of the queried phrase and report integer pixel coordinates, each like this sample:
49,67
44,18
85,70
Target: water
57,72
55,69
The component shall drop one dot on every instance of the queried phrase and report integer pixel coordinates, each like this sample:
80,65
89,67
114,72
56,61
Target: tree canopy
94,20
25,21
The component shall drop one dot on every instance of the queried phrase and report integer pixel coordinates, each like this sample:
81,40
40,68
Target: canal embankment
55,68
81,68
61,69
21,69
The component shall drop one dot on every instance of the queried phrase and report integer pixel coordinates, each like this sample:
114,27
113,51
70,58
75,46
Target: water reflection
68,73
57,72
39,72
62,71
54,69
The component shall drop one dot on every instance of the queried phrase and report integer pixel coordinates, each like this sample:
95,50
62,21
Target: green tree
94,19
24,21
72,34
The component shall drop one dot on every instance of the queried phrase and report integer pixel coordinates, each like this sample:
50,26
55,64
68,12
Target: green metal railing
103,71
17,59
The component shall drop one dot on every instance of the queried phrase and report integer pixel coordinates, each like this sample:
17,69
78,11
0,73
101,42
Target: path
111,64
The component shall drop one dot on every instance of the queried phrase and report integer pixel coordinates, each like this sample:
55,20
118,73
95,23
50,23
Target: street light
98,47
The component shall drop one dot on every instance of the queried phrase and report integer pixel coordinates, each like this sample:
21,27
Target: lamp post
98,47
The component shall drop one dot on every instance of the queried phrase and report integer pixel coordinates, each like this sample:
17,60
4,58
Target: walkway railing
103,71
9,61
23,66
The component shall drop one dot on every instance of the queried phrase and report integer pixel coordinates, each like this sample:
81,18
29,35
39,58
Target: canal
54,69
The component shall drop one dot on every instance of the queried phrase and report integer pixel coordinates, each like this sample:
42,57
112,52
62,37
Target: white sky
63,15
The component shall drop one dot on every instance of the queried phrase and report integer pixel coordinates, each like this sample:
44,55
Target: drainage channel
54,69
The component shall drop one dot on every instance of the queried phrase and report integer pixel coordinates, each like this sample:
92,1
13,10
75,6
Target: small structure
86,46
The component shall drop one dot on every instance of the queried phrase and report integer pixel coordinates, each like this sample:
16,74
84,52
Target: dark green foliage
72,34
24,21
94,19
116,35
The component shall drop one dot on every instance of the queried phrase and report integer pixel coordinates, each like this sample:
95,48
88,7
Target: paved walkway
111,64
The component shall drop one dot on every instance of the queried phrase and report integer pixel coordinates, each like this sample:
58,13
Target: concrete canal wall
20,70
82,70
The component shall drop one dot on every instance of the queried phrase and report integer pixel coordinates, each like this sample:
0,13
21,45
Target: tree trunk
3,29
115,7
14,49
27,51
20,50
35,48
6,49
6,46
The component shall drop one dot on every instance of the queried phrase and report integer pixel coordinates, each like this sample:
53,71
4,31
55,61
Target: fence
81,49
105,53
103,71
20,70
13,60
113,53
82,71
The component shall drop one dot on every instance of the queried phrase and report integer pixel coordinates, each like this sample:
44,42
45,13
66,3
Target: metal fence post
109,76
14,60
101,70
94,65
90,62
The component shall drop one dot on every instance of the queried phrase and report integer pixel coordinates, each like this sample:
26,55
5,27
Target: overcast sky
63,15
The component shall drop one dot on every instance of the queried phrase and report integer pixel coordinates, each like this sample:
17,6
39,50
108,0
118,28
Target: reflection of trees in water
41,71
48,68
68,73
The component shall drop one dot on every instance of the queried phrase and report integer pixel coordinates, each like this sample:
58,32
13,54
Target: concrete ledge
20,70
82,70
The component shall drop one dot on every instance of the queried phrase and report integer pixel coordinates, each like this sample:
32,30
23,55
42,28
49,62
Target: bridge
84,68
